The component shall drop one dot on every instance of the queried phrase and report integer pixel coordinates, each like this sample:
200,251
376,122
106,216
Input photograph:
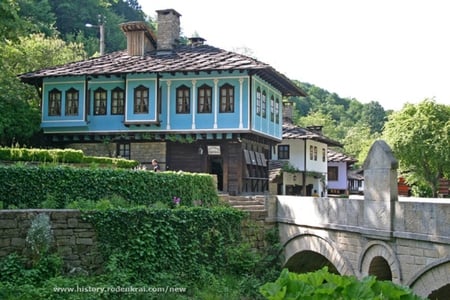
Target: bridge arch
432,281
313,247
377,258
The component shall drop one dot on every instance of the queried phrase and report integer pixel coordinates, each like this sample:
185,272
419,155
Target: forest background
36,34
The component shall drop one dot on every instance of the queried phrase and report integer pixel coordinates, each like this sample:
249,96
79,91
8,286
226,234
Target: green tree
374,115
11,24
19,102
39,15
420,137
358,141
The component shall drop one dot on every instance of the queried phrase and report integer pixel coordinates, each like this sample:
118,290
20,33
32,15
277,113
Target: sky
390,51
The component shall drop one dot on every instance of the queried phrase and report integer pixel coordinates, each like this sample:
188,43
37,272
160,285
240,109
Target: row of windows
141,100
261,106
313,153
283,152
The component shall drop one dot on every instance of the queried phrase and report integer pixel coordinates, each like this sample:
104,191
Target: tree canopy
420,137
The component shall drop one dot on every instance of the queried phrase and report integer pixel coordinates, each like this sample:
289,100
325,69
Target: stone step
250,207
244,202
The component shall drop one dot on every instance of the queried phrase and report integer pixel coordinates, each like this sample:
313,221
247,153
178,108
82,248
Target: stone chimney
288,111
315,128
168,30
196,41
140,38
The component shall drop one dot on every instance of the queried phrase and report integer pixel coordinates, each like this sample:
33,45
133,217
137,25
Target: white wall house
299,163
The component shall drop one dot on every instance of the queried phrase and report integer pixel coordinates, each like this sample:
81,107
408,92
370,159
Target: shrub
57,186
147,242
324,285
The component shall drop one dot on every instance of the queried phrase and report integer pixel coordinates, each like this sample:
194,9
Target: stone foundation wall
142,152
76,240
73,239
255,228
96,149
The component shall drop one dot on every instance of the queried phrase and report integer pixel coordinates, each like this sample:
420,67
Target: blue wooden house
192,107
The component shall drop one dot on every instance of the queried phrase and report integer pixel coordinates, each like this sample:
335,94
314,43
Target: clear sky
390,51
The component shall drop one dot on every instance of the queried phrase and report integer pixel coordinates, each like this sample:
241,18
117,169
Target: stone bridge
405,240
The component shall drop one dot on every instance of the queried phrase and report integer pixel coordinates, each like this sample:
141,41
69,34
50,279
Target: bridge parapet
406,239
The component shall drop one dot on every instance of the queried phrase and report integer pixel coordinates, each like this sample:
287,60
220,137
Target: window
117,101
183,100
315,152
311,152
272,109
324,154
123,150
277,111
141,100
333,173
263,104
100,102
226,98
54,103
258,101
71,102
204,99
283,151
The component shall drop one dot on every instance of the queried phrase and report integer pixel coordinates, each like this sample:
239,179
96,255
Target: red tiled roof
182,59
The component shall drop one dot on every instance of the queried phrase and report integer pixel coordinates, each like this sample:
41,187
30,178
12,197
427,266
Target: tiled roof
275,168
182,59
291,131
334,156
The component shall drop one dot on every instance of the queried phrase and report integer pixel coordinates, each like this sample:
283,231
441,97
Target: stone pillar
380,191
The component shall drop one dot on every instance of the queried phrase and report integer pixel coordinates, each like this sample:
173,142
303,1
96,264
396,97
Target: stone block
72,222
18,242
84,241
8,223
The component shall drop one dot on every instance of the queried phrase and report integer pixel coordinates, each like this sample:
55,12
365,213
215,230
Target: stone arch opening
379,267
377,258
432,282
311,252
440,293
309,261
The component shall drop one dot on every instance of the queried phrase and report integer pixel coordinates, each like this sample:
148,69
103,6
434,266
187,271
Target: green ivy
147,242
58,186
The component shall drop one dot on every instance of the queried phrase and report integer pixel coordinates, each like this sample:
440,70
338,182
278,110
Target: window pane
183,100
227,98
54,103
100,102
118,102
204,99
72,102
141,100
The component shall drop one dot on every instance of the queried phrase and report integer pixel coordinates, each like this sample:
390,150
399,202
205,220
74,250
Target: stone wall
73,239
255,228
142,152
76,240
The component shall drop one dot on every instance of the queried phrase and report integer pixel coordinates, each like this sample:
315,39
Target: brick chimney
140,38
168,30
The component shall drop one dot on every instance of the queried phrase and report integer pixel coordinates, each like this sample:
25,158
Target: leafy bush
324,285
57,186
14,269
70,156
39,237
148,242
